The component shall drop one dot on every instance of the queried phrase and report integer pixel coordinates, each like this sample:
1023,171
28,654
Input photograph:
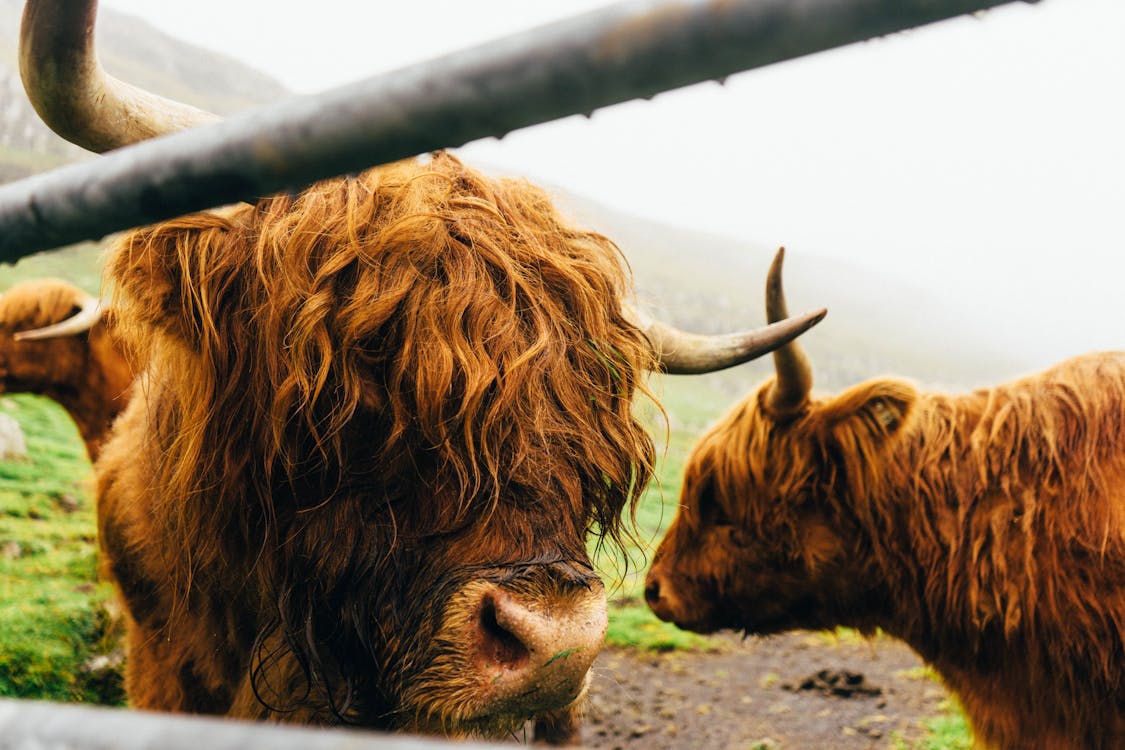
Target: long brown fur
89,375
986,530
358,399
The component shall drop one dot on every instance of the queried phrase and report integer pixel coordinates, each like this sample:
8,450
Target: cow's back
1026,579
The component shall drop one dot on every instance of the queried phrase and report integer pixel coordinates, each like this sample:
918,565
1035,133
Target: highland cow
986,530
376,423
88,374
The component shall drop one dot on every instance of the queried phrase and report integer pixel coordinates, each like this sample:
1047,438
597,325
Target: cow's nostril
498,644
528,653
652,592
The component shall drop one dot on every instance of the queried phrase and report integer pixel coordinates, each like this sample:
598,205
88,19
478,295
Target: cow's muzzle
664,598
533,650
511,644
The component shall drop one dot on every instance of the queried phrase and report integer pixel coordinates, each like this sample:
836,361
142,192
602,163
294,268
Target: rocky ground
800,691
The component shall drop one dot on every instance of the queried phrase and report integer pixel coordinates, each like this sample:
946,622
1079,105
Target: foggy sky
982,158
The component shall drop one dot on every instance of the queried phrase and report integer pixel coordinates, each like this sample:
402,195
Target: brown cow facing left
88,374
987,530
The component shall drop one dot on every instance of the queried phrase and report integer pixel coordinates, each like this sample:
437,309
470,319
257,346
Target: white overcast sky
983,157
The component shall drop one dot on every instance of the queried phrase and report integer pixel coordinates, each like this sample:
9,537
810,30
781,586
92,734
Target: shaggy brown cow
377,421
986,530
88,374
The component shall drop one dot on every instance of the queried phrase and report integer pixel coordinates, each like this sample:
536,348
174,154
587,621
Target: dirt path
800,691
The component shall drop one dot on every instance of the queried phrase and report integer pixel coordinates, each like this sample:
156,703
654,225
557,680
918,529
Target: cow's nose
502,622
656,596
536,651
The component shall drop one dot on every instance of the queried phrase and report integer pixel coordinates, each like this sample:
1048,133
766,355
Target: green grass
949,731
924,672
53,618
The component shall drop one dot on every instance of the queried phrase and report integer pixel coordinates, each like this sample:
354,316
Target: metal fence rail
630,50
29,725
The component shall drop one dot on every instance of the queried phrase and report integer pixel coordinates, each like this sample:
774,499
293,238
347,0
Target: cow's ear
164,273
868,414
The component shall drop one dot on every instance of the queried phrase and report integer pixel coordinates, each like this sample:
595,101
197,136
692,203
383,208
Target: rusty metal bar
30,725
630,50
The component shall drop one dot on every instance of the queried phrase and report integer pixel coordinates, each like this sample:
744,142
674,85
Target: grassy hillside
79,264
57,640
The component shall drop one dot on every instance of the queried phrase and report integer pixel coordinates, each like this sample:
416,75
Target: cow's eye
711,511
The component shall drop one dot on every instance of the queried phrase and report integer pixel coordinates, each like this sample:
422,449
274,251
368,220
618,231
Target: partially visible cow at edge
88,373
987,530
377,421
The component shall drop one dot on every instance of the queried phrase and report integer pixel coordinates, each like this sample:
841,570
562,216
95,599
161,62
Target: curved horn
682,353
794,372
89,312
75,96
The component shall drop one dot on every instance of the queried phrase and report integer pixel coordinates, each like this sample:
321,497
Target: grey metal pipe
30,725
630,50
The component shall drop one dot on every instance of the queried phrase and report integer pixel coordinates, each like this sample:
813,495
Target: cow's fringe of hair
37,303
415,331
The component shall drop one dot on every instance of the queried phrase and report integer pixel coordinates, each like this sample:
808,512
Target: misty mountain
131,50
710,283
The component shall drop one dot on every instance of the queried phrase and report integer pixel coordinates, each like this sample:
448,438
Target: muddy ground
800,691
